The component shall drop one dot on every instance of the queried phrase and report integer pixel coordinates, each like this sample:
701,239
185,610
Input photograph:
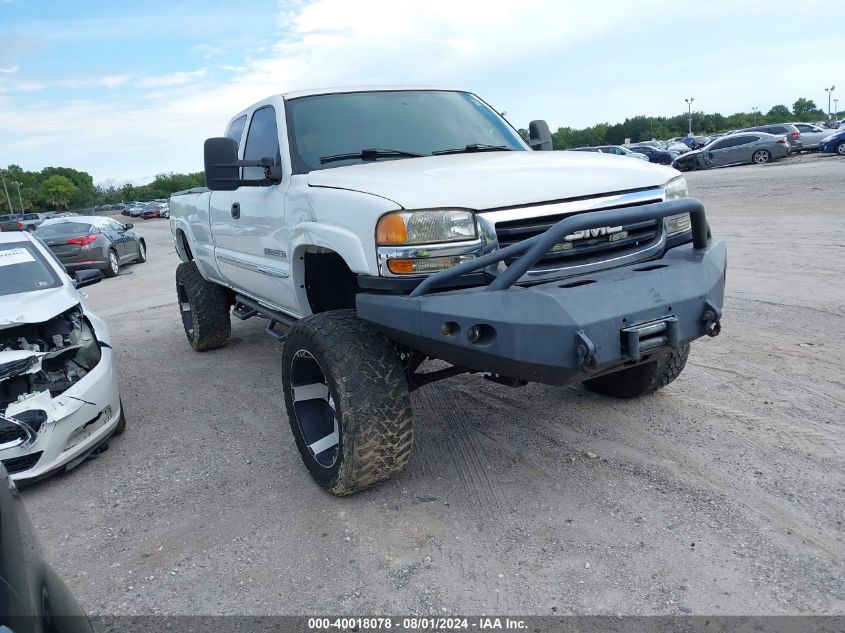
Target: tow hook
586,350
712,324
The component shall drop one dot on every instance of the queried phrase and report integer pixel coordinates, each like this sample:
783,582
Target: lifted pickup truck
382,228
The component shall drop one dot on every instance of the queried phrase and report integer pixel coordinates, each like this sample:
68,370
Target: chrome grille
593,247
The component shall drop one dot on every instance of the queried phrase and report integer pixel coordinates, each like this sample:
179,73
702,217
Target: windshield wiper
474,147
372,153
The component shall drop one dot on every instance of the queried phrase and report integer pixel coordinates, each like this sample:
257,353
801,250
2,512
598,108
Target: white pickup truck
380,228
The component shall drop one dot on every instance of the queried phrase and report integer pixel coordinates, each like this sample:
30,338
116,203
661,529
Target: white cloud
172,79
8,70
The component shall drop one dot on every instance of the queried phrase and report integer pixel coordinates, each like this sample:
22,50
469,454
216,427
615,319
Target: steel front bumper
566,330
78,420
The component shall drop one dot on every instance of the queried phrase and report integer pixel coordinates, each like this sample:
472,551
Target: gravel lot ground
722,494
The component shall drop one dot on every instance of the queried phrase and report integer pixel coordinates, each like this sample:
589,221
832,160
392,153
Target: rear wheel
761,156
112,264
664,160
204,308
641,379
347,401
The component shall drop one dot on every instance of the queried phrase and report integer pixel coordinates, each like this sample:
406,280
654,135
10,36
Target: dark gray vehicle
32,596
92,242
734,149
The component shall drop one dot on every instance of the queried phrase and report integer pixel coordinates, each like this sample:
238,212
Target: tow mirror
82,278
540,138
222,167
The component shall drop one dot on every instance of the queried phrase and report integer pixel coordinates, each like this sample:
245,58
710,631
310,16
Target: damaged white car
59,399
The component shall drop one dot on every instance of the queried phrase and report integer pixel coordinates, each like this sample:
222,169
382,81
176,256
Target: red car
152,213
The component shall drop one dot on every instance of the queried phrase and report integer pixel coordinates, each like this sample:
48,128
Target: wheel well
186,249
329,284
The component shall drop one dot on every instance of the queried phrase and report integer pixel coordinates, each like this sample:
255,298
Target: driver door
251,237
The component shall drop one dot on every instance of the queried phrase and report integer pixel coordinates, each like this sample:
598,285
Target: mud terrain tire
642,379
347,401
204,308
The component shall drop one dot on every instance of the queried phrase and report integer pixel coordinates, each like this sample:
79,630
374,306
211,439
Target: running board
246,308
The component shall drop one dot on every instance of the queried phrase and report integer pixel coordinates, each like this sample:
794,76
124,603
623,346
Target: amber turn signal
391,230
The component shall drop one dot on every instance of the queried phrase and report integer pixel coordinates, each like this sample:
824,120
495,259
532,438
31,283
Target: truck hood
37,306
489,180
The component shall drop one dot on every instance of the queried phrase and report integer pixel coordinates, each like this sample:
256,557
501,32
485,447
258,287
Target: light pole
18,185
689,113
8,198
755,110
836,107
829,91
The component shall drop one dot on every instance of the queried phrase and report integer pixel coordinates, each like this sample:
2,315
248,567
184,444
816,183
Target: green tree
58,191
805,107
778,114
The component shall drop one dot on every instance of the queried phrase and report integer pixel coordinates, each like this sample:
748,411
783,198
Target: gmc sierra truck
378,229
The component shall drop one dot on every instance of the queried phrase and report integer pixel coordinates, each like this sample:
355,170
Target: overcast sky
125,90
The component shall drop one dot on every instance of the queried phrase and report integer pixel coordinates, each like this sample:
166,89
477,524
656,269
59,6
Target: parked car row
28,221
148,210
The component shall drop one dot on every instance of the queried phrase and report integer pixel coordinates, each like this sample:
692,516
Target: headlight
675,189
425,227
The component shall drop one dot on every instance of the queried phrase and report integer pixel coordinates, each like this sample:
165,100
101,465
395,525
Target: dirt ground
722,494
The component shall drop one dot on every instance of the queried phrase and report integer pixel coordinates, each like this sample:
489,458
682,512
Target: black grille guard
532,249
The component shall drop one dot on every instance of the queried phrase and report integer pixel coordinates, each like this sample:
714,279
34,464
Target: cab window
236,129
261,140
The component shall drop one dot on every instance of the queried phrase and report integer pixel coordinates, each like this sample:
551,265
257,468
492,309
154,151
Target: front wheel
840,149
664,160
142,253
761,157
347,401
641,379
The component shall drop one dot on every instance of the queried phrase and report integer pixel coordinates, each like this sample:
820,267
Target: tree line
62,188
645,128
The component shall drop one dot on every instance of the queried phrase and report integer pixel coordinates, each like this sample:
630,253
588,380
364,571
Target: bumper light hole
481,334
450,328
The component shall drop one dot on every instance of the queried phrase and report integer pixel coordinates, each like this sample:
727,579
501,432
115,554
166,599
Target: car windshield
417,122
24,269
63,228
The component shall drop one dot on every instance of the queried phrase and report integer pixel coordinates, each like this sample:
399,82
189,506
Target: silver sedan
735,149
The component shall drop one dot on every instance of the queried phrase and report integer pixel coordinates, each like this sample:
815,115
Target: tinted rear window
24,269
63,228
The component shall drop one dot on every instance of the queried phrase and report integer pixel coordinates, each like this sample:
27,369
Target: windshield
418,122
23,269
63,228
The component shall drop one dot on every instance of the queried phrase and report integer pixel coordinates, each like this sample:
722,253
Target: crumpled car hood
36,306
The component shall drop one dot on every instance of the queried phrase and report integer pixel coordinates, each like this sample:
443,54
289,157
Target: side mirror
128,225
83,278
221,164
539,136
222,167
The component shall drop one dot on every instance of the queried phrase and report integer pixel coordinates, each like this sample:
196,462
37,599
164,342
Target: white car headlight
676,189
404,228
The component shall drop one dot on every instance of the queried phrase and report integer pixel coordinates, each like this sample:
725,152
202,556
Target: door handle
236,210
